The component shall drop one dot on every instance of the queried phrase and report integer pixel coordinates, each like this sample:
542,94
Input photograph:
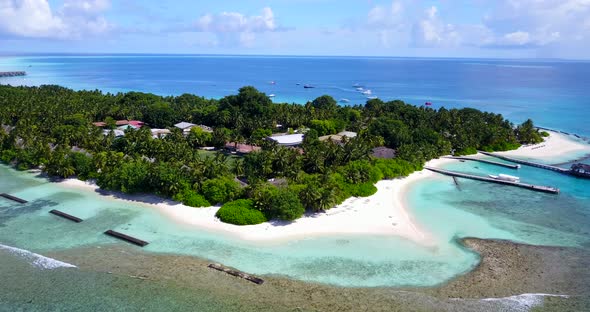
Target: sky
419,28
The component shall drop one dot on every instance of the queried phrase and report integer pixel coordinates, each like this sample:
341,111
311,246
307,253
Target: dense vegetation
51,127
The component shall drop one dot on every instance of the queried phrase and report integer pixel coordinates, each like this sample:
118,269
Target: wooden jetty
236,273
13,198
529,163
487,162
126,238
543,189
13,74
66,216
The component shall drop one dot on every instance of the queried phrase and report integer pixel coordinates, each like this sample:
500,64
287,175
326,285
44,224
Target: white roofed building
288,140
187,126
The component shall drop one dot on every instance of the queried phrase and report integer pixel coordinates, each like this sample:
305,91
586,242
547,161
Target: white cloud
36,19
432,31
506,24
539,22
518,38
233,22
234,28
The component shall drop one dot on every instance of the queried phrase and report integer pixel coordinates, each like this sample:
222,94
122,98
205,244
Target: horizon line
15,54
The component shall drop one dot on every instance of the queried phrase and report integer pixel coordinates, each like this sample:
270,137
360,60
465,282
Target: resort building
338,138
122,124
241,148
187,126
288,140
160,133
117,133
383,152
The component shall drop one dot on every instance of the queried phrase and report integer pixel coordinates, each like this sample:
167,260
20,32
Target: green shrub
278,202
8,155
363,190
544,134
221,190
240,212
191,198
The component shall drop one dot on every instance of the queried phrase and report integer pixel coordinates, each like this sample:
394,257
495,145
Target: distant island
12,74
257,159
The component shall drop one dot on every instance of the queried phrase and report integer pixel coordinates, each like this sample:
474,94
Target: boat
367,92
356,85
505,177
371,97
273,83
271,95
308,86
360,89
344,100
428,104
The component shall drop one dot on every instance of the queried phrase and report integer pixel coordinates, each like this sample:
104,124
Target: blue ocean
552,93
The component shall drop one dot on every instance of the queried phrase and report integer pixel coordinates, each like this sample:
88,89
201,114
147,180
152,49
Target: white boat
344,100
505,177
360,89
271,95
371,97
367,92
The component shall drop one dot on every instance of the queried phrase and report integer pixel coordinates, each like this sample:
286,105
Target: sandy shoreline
384,213
381,214
558,147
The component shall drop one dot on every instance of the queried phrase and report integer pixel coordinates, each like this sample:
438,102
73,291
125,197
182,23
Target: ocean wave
518,303
36,260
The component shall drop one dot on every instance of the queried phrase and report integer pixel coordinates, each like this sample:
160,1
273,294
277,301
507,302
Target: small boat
371,97
505,177
356,85
344,100
367,92
428,104
308,86
272,82
360,89
271,95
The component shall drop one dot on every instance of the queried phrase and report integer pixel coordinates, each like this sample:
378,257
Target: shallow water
339,260
485,210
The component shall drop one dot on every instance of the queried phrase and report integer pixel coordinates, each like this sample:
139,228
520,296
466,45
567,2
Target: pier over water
13,74
529,163
537,188
485,161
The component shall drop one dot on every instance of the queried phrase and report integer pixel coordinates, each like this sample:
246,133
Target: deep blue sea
553,93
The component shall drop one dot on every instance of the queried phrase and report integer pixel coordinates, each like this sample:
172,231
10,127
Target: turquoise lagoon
473,209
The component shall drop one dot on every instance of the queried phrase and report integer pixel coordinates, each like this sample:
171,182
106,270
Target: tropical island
259,160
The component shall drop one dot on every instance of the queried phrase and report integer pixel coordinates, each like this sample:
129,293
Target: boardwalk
487,162
537,188
529,163
13,198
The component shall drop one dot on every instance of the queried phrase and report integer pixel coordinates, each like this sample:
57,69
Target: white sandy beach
558,147
381,214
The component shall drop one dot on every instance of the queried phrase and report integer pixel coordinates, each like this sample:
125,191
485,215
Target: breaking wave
37,260
518,303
